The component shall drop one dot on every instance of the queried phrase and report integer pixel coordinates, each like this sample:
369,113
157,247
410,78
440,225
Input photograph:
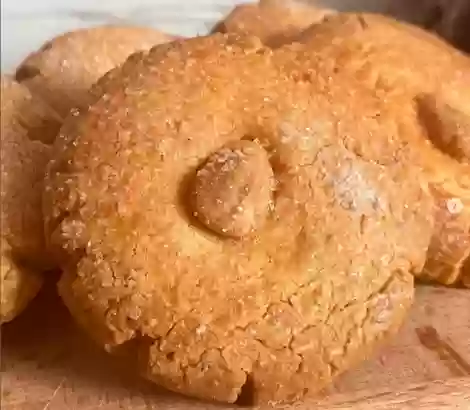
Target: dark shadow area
247,394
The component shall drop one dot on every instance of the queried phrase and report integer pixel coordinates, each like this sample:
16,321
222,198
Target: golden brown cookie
26,125
63,70
241,214
275,22
396,58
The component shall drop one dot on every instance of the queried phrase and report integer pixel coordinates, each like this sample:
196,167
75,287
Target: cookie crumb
454,206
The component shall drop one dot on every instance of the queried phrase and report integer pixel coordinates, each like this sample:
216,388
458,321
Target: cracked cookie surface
292,273
63,69
392,58
27,126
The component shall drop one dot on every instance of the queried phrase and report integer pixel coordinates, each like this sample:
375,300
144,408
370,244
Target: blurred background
26,24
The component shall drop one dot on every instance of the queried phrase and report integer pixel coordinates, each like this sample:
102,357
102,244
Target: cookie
27,125
275,22
239,214
63,69
396,58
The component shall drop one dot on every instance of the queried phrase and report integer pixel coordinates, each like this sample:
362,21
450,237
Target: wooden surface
451,394
49,364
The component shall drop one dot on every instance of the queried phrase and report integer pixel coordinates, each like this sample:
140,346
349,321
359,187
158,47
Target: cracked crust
275,22
276,313
64,68
396,58
26,123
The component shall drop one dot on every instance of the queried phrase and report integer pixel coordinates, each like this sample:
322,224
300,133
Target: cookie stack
250,208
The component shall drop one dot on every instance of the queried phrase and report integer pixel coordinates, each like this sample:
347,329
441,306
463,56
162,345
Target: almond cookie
63,70
275,22
27,125
396,58
240,214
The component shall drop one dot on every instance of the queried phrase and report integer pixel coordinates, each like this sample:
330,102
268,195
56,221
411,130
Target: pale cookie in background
27,126
253,235
63,70
274,21
396,58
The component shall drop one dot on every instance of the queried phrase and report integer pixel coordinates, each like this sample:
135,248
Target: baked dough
397,58
64,68
240,214
27,124
275,22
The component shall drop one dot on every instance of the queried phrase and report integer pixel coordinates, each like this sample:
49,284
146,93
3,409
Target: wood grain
49,364
438,395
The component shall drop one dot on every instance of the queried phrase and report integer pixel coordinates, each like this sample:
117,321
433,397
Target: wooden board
49,364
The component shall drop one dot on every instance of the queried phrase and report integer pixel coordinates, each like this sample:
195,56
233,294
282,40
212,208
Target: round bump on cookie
63,69
232,192
26,123
324,276
437,77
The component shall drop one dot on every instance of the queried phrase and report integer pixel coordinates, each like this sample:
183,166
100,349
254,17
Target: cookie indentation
448,128
26,72
233,191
